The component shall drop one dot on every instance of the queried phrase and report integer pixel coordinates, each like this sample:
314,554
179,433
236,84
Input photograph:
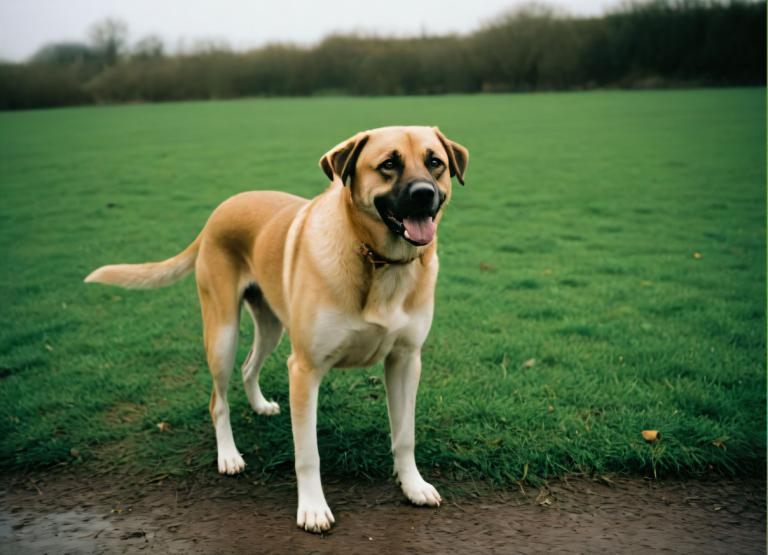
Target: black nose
422,194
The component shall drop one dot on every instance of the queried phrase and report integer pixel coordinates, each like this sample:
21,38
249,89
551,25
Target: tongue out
420,231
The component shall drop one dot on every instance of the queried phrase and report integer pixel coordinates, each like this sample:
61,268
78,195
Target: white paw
420,492
315,517
267,408
231,463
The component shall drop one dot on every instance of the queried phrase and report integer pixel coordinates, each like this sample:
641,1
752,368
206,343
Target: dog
350,274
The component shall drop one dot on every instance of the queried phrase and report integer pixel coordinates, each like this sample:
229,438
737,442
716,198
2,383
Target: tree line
657,43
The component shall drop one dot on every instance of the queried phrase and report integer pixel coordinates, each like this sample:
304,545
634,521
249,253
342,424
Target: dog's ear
339,162
458,156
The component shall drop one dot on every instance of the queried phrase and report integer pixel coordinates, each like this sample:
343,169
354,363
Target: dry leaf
544,498
163,426
697,255
486,267
606,480
719,443
550,408
530,363
651,436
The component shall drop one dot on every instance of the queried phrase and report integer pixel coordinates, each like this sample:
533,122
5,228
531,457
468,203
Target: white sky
25,25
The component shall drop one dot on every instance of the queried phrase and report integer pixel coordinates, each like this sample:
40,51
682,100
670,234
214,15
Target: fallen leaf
719,443
606,480
530,363
550,408
486,267
544,498
163,426
697,255
651,436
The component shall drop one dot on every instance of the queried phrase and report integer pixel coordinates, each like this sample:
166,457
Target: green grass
572,244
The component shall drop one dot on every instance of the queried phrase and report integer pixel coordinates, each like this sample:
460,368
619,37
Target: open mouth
417,229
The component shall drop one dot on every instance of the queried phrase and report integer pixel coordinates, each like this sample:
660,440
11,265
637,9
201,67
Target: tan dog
350,274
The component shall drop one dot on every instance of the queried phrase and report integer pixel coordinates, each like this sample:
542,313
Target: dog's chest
342,340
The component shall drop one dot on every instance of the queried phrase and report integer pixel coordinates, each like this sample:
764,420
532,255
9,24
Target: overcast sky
27,24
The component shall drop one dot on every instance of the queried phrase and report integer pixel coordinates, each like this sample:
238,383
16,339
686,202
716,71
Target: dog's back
235,226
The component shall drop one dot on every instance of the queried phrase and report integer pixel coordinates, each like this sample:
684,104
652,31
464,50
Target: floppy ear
339,162
458,156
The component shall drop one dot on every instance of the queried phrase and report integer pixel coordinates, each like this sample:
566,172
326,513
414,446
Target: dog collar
378,261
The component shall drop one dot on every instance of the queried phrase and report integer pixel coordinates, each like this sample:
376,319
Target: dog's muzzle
410,211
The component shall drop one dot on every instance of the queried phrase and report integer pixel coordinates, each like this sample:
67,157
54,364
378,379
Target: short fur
297,265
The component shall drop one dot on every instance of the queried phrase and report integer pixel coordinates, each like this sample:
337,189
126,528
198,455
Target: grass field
617,238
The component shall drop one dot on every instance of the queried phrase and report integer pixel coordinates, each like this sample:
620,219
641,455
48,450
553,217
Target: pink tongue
420,231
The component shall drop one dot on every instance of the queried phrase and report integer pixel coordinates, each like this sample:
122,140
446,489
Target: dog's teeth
405,234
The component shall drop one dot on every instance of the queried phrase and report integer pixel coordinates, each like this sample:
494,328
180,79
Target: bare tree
148,48
109,37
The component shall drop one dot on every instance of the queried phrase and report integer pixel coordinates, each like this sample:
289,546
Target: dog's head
399,178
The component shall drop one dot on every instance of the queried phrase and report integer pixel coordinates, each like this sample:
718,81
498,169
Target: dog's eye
435,162
388,164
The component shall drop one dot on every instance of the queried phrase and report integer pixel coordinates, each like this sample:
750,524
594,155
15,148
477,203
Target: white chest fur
341,340
362,339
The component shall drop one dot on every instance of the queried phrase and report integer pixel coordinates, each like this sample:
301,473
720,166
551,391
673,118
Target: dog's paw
421,493
267,408
231,463
314,517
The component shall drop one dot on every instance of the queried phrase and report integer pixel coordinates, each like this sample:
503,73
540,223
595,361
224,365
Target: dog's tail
149,275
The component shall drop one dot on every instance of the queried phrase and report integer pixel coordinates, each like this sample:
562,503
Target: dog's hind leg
267,331
219,301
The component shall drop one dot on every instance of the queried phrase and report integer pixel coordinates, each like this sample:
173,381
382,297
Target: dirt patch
124,413
72,512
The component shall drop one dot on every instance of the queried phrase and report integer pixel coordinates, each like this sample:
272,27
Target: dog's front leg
313,513
402,370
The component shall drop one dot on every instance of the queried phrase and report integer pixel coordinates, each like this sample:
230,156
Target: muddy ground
73,512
